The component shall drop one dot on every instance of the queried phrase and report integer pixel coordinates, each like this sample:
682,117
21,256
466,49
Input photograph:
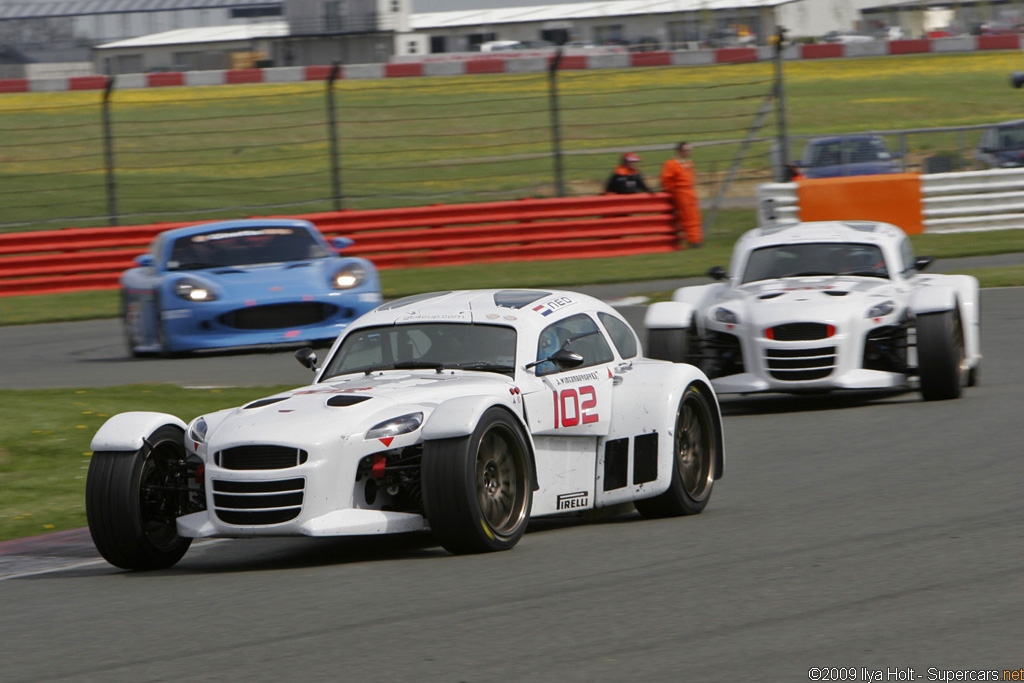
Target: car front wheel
477,490
132,500
940,355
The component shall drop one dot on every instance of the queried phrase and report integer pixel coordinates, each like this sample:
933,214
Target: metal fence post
780,106
556,134
332,134
108,153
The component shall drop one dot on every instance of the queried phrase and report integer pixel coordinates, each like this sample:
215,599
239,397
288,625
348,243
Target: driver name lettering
576,379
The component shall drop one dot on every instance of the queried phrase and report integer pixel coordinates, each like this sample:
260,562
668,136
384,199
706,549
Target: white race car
464,413
812,307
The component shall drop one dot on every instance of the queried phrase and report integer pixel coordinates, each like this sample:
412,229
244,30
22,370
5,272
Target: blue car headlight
882,309
193,290
724,315
395,426
348,276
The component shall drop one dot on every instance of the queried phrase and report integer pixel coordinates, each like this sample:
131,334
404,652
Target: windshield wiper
808,273
408,365
484,366
196,265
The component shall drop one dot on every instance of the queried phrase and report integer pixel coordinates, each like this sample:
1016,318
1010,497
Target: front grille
276,316
800,332
260,457
795,365
257,503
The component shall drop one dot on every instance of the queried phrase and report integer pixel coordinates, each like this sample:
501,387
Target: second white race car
462,413
821,306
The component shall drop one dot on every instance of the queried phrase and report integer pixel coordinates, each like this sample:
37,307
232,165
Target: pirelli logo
569,501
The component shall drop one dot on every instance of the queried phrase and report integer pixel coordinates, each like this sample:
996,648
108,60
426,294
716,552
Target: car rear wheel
940,355
132,501
477,490
694,454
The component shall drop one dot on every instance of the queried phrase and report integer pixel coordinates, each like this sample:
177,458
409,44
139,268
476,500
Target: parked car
244,282
847,37
848,155
823,306
1002,145
465,413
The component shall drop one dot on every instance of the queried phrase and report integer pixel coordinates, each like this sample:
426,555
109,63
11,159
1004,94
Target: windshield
844,151
244,247
489,348
830,258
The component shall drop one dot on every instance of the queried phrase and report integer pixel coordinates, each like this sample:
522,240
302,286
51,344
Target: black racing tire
940,355
695,444
478,490
668,344
131,515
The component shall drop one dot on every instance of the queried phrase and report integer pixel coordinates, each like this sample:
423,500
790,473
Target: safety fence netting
121,157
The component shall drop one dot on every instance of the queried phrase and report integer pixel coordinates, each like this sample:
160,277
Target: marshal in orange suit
679,179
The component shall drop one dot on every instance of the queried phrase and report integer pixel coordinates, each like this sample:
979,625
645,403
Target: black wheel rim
500,480
694,447
159,503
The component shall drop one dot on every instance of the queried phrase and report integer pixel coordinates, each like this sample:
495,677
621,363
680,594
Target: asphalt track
872,532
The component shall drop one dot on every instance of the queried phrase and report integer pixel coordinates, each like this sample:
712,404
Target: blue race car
240,283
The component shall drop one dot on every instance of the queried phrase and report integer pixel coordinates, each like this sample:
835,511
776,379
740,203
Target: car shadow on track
767,404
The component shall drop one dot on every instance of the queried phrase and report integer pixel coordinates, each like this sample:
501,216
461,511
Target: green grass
45,436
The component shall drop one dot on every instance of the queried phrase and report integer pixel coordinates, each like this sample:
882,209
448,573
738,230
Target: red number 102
569,410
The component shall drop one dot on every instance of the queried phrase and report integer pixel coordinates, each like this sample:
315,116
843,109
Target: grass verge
46,435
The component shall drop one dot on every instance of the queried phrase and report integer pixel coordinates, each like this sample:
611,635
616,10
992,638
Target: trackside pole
332,135
108,153
556,133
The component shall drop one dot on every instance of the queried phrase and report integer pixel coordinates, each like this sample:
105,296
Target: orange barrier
78,259
890,197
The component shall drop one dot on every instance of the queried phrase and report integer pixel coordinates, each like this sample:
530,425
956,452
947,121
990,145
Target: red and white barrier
517,62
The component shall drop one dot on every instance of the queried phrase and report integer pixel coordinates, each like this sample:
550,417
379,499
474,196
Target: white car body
830,329
305,462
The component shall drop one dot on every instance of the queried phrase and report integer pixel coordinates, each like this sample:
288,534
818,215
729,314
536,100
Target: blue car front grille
278,316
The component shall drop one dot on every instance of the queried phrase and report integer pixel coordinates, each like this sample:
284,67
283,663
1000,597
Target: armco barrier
525,230
969,201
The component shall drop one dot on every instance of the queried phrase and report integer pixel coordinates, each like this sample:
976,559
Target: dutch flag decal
542,309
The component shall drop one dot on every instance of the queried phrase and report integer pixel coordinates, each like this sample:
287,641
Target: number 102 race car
462,413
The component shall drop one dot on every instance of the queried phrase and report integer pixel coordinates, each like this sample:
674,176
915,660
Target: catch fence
111,157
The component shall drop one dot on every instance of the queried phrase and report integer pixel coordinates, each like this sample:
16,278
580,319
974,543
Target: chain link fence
119,157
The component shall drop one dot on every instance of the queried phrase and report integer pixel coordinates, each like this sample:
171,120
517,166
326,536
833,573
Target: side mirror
717,273
922,262
566,359
307,357
143,260
340,243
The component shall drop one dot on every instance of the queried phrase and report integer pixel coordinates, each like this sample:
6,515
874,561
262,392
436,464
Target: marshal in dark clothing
627,178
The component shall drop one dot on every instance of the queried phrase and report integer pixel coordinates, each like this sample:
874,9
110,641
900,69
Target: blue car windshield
244,247
828,258
439,346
